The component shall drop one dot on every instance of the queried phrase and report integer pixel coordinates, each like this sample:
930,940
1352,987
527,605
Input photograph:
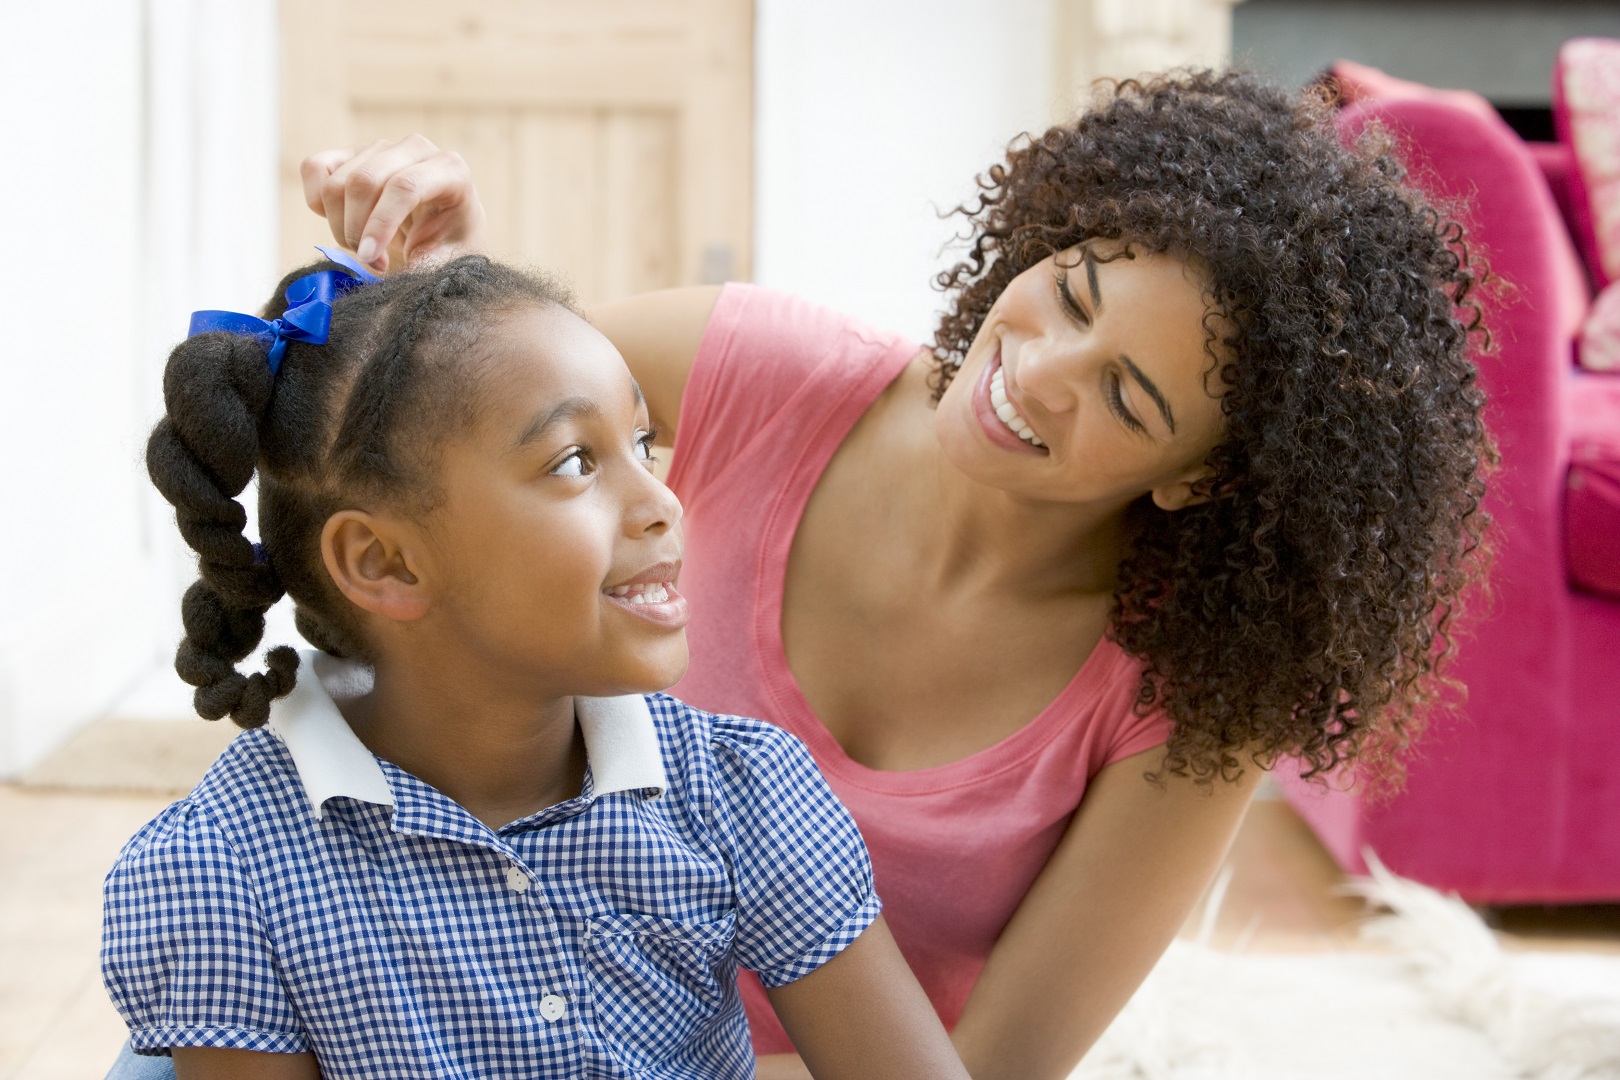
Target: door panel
610,141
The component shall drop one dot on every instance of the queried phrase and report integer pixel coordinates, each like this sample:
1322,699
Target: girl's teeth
641,594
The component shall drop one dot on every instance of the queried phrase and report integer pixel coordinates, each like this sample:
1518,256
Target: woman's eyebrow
1152,391
1091,279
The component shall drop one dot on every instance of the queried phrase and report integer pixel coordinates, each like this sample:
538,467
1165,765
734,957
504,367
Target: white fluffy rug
1440,1000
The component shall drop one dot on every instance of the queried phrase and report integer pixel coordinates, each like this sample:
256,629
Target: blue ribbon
308,316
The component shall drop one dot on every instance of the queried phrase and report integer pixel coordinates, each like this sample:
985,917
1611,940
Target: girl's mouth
1003,424
651,595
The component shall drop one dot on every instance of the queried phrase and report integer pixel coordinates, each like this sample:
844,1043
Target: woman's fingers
314,170
408,190
432,203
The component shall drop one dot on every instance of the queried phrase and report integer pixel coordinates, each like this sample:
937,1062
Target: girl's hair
351,423
1307,606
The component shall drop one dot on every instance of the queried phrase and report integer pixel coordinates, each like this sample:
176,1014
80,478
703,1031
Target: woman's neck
501,751
962,532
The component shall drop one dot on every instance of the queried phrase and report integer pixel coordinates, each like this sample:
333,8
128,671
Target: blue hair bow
309,309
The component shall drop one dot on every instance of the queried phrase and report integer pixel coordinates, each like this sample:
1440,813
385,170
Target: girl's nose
654,509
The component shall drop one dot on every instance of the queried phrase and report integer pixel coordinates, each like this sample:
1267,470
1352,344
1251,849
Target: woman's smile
1003,424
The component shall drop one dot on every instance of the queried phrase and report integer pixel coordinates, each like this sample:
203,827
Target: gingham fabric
598,938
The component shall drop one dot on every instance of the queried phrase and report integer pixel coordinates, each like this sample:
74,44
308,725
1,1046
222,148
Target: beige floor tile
54,851
82,1041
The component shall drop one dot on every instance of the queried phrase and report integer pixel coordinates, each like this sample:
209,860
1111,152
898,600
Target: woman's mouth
999,417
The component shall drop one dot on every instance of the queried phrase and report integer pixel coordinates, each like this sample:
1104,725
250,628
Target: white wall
139,146
869,118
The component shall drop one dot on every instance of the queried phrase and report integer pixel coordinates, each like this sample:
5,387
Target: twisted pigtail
345,418
216,388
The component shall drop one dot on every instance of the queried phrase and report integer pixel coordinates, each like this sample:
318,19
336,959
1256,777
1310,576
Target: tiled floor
55,1020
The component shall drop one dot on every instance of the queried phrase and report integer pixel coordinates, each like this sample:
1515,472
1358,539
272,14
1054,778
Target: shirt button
552,1007
516,879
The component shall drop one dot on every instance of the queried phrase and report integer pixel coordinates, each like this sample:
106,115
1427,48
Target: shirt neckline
621,743
804,472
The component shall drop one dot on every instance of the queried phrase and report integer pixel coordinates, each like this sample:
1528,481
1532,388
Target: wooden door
611,140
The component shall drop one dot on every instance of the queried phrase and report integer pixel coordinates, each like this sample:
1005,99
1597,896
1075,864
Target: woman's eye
572,465
1066,300
1116,404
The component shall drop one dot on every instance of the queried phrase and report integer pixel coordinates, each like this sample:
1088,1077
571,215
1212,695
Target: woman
1189,480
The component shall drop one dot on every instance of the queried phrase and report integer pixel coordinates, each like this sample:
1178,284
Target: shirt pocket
657,983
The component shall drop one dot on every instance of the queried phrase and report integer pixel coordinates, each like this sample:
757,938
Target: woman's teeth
656,593
1009,415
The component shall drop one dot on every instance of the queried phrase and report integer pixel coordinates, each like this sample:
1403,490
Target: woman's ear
372,560
1186,490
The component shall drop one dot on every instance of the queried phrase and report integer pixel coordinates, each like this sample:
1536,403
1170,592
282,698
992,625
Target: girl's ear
1184,491
372,562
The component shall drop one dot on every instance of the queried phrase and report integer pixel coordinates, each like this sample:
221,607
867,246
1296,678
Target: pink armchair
1516,800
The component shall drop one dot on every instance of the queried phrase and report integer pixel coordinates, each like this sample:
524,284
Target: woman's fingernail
367,250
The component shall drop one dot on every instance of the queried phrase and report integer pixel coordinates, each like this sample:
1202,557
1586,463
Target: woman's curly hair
1305,608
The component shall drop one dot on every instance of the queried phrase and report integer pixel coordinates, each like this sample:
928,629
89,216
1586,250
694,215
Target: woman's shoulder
767,356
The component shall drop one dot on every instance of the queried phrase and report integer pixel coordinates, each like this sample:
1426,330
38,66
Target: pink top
776,385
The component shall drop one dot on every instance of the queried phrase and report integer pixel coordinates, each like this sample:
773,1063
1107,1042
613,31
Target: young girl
459,842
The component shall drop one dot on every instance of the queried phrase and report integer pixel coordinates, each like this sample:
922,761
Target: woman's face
556,548
1089,382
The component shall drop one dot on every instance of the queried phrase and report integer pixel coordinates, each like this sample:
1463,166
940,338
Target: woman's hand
404,200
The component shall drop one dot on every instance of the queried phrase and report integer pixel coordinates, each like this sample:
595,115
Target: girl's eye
644,446
1116,404
572,465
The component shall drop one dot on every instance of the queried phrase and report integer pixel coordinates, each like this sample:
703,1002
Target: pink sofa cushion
1358,82
1592,499
1592,520
1586,113
1598,348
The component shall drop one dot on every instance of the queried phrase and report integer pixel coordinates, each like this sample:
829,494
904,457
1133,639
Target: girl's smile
651,595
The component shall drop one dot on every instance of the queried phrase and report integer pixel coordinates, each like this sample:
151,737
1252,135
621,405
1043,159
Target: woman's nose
1047,373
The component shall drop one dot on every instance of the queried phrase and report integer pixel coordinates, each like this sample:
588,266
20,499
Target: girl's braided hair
349,423
1307,606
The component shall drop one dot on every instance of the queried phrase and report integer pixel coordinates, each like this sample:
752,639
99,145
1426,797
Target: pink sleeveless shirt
775,387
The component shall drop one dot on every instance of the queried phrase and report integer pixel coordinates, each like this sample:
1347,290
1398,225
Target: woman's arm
212,1063
1121,883
1115,892
418,201
862,1014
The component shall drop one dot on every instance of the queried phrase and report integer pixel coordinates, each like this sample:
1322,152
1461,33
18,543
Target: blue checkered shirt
310,896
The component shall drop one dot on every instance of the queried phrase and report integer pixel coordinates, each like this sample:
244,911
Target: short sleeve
804,880
184,953
759,349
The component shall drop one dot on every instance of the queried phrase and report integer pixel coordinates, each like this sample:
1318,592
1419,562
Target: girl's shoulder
725,765
243,792
695,743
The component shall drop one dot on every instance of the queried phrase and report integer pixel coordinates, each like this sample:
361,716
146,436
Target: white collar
621,744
